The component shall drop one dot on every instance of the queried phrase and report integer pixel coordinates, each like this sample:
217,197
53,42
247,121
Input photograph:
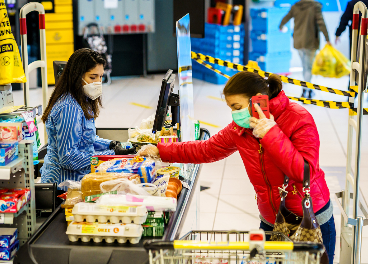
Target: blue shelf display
222,42
272,62
269,43
327,5
271,49
268,19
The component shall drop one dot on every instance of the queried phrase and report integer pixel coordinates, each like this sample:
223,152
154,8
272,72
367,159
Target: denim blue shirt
72,141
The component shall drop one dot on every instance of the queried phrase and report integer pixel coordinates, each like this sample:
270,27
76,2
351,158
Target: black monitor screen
196,10
163,101
59,66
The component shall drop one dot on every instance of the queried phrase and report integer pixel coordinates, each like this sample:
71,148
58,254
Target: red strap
355,24
363,31
23,26
41,21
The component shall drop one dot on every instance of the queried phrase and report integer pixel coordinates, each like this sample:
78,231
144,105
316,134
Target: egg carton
108,232
96,213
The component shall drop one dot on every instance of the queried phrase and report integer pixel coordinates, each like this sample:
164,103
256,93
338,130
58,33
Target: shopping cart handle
308,246
158,244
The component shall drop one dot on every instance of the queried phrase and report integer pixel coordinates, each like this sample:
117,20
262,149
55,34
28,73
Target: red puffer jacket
281,152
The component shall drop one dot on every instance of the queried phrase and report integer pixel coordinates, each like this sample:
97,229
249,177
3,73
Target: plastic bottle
126,145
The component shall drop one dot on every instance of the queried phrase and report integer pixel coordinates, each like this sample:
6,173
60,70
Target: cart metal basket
227,247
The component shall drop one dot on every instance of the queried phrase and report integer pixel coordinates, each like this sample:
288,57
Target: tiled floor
230,202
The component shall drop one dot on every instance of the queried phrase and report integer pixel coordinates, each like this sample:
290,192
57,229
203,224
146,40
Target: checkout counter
50,244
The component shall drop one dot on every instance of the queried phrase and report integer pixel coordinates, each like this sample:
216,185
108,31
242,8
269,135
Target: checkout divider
50,244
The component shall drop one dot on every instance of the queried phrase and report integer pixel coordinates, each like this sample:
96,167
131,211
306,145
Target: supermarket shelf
11,168
6,262
9,218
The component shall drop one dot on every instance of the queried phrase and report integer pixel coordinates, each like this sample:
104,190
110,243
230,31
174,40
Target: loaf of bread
90,184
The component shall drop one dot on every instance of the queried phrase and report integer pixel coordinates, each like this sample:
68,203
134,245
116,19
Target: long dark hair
250,84
70,82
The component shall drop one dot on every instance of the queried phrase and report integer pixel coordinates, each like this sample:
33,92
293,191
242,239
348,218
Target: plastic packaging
138,165
147,123
74,194
11,68
126,145
171,171
96,213
331,63
97,160
6,254
125,186
150,151
90,183
152,203
161,184
108,232
8,152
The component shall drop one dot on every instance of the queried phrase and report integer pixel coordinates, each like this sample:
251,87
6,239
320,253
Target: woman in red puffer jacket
270,149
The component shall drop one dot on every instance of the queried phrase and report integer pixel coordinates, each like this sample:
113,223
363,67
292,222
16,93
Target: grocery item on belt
8,152
171,171
90,183
7,237
99,159
108,232
125,186
168,139
95,212
144,167
152,203
154,225
9,253
173,188
73,195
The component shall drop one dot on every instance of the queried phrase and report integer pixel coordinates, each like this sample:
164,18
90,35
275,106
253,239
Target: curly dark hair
70,82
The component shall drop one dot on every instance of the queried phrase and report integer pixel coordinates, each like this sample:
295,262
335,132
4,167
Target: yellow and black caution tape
327,104
284,79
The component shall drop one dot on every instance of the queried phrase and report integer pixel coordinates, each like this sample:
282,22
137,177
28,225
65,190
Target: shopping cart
227,247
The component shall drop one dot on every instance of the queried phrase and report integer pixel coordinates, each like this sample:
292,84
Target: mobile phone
263,102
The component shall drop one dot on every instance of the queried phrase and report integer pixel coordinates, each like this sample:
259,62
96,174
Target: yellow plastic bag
331,63
11,68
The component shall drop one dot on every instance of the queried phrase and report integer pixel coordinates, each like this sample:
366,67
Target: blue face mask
241,117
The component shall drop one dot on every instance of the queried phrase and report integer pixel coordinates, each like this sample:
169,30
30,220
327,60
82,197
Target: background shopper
270,149
308,22
70,120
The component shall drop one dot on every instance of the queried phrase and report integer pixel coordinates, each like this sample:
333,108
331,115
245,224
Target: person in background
308,22
70,120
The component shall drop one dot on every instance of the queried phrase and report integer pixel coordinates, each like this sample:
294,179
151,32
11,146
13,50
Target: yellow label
68,211
89,229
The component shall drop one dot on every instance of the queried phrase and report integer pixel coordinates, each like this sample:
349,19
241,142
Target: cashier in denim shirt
70,120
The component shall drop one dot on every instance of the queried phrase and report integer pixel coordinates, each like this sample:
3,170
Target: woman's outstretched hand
149,151
262,125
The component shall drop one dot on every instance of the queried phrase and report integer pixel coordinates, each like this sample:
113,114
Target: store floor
229,202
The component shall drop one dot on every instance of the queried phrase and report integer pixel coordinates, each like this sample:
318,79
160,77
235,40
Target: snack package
10,132
161,184
99,159
171,171
3,190
7,254
168,139
144,167
152,203
11,68
90,183
8,152
7,237
12,202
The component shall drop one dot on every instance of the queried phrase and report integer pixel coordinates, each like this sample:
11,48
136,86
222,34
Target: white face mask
92,90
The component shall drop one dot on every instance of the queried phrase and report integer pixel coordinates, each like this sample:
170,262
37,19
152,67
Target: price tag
2,218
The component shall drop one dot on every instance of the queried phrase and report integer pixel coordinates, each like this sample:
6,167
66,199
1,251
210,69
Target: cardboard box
12,202
7,237
8,153
9,253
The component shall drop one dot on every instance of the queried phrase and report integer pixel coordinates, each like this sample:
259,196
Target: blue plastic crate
270,43
268,19
272,62
215,78
224,54
212,29
198,75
